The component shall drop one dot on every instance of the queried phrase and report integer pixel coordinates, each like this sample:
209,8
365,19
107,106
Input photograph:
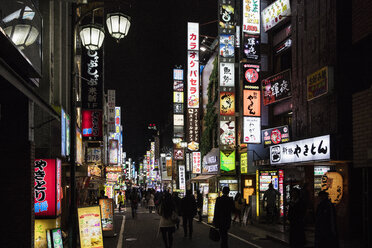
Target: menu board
211,204
57,238
107,213
90,227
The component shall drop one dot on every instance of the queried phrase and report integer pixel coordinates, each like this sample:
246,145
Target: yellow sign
41,225
244,163
90,227
211,204
317,83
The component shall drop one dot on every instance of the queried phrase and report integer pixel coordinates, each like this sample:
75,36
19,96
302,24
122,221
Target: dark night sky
140,67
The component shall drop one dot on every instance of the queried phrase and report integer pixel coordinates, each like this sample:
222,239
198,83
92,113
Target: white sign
178,74
227,74
317,148
193,79
178,120
275,13
227,133
196,162
252,130
182,177
193,36
251,16
178,97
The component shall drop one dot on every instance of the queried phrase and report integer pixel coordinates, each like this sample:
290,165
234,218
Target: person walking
134,199
239,206
199,204
166,225
222,215
177,203
151,202
296,217
120,201
271,200
325,223
188,204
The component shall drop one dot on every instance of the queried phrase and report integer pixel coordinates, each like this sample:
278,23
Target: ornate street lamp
92,36
118,25
22,35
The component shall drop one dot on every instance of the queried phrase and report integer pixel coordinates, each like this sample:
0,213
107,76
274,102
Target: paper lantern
332,182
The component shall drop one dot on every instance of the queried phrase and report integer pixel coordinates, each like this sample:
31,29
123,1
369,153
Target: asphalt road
142,232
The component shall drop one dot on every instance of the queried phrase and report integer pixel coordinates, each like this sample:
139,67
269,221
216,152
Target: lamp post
92,37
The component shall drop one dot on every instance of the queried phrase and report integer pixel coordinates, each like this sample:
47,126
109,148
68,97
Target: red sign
92,123
178,154
47,190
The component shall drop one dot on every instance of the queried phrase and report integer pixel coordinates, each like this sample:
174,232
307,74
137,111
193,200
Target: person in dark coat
296,217
325,223
188,204
177,203
199,204
222,215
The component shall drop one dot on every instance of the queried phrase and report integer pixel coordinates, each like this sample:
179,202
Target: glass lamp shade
22,35
92,36
118,25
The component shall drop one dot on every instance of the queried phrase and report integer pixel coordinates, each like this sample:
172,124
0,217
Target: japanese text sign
227,133
244,163
79,147
178,97
317,83
107,213
94,155
252,130
92,88
182,177
277,87
63,133
92,123
90,227
312,149
178,154
47,175
113,151
178,86
275,13
251,46
227,74
227,159
252,103
251,79
196,162
193,36
227,49
193,79
227,103
178,108
276,135
178,120
193,132
251,16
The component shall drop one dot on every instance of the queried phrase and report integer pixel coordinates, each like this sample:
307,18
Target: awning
202,177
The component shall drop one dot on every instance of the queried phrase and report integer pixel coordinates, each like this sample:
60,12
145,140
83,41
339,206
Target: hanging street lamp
92,36
118,25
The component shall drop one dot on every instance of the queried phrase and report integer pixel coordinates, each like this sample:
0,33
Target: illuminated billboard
92,124
227,159
90,228
227,74
251,16
252,103
196,162
193,79
227,103
47,175
252,130
275,13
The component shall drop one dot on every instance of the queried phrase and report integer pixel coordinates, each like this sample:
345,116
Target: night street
142,232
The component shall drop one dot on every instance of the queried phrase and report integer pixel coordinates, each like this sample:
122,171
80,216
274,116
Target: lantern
332,183
118,25
92,36
22,35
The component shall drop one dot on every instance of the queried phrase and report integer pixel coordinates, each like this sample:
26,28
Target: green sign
227,161
244,163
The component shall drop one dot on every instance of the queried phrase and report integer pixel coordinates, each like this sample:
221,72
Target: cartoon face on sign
276,136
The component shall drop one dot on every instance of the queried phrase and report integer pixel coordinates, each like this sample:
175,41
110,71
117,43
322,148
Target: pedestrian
188,204
120,201
177,203
151,203
222,215
296,217
271,200
239,206
166,225
325,223
134,199
199,204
